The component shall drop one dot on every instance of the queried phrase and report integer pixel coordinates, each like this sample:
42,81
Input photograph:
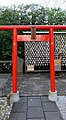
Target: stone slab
35,112
23,99
50,107
45,99
17,116
34,102
53,116
19,107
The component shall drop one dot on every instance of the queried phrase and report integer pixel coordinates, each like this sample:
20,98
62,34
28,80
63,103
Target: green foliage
56,16
26,15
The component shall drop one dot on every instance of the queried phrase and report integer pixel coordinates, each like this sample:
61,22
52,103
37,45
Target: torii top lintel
28,27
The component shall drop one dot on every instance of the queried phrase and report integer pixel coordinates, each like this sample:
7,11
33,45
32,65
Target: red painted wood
27,38
52,70
14,61
28,27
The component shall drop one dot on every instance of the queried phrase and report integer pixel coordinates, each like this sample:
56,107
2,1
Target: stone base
52,96
14,97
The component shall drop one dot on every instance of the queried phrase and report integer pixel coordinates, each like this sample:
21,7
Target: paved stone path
35,108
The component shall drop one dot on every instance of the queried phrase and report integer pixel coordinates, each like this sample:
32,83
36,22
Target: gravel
5,108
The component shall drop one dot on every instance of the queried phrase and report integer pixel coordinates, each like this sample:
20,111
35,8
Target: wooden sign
57,63
30,68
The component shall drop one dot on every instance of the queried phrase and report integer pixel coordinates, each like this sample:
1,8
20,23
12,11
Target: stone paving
33,84
35,108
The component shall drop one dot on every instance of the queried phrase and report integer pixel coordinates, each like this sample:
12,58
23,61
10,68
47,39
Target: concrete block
52,95
14,97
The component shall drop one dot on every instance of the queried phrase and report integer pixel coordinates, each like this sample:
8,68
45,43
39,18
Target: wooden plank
27,38
57,63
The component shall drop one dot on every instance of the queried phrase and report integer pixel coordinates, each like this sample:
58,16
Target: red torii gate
25,38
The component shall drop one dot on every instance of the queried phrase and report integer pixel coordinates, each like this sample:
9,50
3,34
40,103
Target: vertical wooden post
52,70
14,61
33,33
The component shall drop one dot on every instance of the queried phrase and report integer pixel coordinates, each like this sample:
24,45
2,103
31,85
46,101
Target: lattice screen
37,53
60,47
